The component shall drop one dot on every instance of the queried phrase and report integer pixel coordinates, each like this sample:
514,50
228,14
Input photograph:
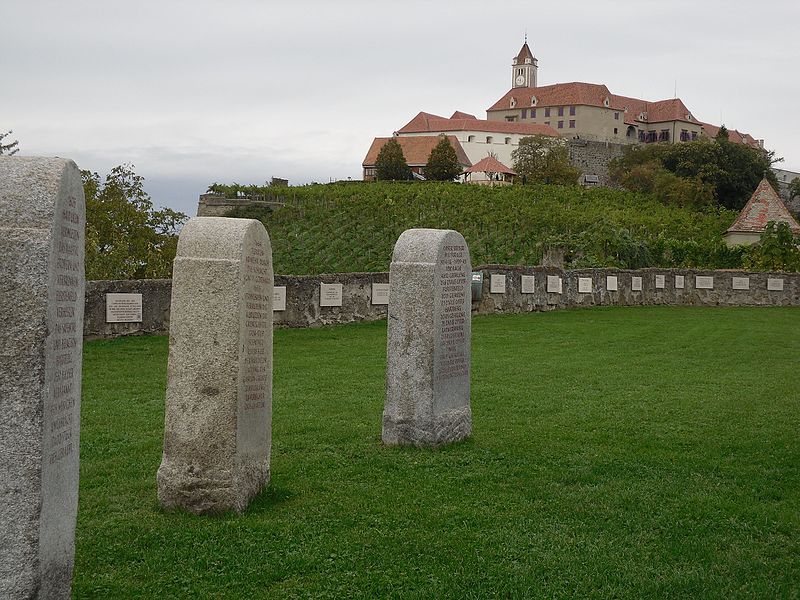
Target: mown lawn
617,452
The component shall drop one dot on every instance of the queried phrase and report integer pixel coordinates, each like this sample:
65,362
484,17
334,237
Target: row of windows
648,137
559,109
489,139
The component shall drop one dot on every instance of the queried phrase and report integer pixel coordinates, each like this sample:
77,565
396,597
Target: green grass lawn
617,453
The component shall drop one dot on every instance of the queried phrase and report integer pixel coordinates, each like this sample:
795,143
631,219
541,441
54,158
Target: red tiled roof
733,135
490,165
559,94
764,206
416,149
660,111
462,115
426,122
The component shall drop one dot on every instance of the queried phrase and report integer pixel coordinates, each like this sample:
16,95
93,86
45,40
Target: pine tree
443,162
391,164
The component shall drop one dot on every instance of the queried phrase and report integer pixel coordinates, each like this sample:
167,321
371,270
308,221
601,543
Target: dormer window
488,139
606,102
527,61
533,100
513,102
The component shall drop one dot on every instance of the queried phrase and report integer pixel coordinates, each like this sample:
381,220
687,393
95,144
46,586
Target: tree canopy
731,171
794,188
126,238
391,164
544,159
9,148
443,162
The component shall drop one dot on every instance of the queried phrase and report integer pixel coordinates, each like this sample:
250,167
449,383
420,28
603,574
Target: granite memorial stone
123,308
42,219
428,346
218,423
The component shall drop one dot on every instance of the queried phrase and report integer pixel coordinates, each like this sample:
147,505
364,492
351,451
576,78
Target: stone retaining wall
303,295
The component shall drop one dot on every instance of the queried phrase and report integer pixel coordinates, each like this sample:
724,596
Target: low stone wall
303,307
721,294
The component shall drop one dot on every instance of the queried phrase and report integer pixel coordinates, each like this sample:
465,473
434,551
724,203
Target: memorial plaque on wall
330,294
584,285
554,284
528,282
702,282
497,284
774,285
279,298
123,308
380,293
636,284
660,282
679,282
741,283
611,283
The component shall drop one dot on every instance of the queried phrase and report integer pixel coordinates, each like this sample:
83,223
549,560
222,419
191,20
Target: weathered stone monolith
42,225
428,348
218,422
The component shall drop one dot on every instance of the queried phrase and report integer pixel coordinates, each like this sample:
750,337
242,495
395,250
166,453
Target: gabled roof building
416,151
764,206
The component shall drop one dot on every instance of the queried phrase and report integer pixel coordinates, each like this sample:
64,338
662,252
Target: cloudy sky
193,92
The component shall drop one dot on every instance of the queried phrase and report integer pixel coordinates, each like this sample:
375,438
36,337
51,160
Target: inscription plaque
636,284
279,298
774,285
554,284
330,294
611,283
660,282
123,308
584,285
703,282
497,284
380,293
679,282
528,282
740,283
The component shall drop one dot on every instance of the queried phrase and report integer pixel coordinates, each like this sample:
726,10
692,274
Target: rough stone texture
155,293
428,346
42,221
592,157
218,422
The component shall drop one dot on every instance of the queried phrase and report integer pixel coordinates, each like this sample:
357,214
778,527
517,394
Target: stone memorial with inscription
380,293
554,284
428,346
584,285
611,283
661,282
42,219
218,422
279,298
679,282
636,284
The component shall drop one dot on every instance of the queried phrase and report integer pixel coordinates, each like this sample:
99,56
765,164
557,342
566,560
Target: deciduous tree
126,238
544,159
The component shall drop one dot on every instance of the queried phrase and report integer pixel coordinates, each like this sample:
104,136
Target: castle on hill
595,123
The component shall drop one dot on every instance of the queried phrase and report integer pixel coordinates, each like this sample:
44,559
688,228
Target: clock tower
524,68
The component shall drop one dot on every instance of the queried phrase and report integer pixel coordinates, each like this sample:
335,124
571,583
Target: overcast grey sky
193,92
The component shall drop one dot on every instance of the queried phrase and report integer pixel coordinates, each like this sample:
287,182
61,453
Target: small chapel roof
490,165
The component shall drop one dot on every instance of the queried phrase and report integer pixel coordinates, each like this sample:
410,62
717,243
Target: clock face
520,80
